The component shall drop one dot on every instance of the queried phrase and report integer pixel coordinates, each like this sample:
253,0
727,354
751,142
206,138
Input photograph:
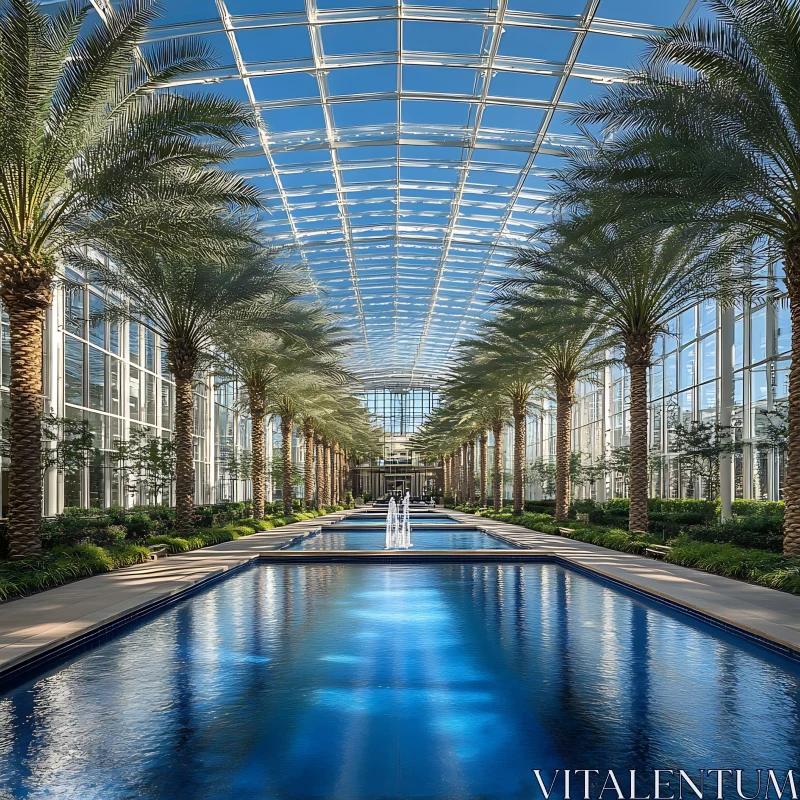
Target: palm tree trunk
257,414
326,473
287,491
565,397
25,479
455,478
184,449
518,412
308,472
497,482
445,477
791,486
637,359
484,454
335,475
471,472
463,472
320,475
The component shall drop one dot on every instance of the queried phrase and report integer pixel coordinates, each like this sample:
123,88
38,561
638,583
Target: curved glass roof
405,149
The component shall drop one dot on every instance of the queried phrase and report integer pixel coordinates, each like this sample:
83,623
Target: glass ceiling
405,149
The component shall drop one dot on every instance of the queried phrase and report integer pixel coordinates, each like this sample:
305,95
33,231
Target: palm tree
190,303
87,149
348,433
471,404
630,282
307,342
494,358
567,349
709,130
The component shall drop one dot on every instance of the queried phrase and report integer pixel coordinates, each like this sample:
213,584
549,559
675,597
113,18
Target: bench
657,551
566,531
158,551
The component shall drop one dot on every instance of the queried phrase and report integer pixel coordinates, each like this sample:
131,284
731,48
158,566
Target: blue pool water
362,682
422,538
376,519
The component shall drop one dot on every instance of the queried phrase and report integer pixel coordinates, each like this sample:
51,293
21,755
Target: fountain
398,525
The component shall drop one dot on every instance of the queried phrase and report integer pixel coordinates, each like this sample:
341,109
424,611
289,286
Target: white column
54,400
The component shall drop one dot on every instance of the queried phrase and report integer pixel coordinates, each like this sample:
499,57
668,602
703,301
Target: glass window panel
134,394
97,379
708,316
133,341
73,310
113,336
73,371
116,383
738,390
783,323
149,349
687,372
670,373
708,396
150,398
758,335
656,381
708,350
686,406
166,405
782,379
738,343
97,324
758,385
688,326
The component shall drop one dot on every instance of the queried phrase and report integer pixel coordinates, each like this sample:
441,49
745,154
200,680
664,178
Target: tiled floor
32,625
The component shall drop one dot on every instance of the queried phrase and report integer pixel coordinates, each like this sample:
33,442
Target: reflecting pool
393,681
422,538
377,519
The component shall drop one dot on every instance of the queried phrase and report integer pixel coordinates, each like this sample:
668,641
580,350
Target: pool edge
34,662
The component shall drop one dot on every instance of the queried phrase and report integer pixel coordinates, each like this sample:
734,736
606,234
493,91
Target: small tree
147,464
545,473
66,444
773,428
700,446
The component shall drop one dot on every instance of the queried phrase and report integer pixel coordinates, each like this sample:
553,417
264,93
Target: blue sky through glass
407,149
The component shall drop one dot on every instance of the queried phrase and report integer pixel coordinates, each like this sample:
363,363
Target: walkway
765,613
33,625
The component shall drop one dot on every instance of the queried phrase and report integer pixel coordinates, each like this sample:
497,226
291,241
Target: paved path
33,625
764,612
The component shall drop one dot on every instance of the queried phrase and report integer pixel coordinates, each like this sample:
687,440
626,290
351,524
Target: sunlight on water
393,681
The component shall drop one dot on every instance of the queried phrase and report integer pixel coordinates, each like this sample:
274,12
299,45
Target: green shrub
725,559
749,508
175,544
743,532
62,565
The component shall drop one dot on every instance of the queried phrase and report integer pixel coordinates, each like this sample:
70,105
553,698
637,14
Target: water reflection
353,681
